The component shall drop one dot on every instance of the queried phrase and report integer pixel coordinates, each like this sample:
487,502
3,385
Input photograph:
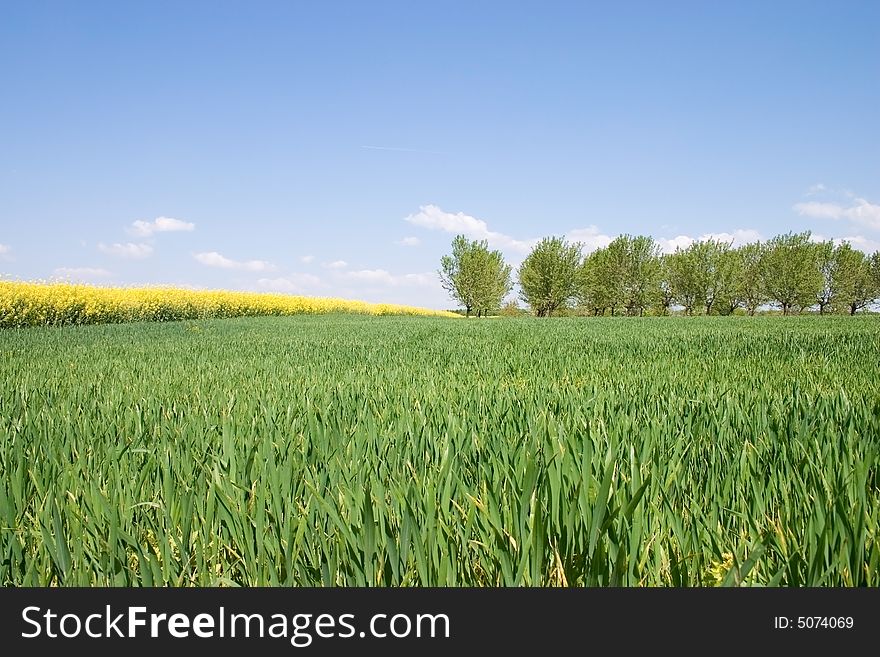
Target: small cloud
160,225
434,218
336,264
307,259
385,278
819,210
409,241
126,250
859,242
371,276
421,280
4,249
816,189
678,242
293,283
737,238
81,272
860,211
214,259
590,237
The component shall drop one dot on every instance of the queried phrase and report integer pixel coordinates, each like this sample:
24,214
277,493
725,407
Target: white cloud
307,259
4,249
81,272
861,211
434,218
379,276
336,264
670,245
815,189
126,250
385,278
409,241
859,242
738,237
295,282
591,238
214,259
160,225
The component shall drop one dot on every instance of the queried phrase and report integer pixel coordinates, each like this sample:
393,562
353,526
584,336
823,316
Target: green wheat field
403,451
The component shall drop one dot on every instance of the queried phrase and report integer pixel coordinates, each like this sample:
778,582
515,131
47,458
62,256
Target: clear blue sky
335,148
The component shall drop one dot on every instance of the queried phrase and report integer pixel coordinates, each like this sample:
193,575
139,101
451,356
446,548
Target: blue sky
335,149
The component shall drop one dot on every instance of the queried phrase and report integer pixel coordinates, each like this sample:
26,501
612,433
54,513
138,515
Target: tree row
631,276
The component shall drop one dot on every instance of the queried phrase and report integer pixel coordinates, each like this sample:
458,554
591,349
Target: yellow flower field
57,304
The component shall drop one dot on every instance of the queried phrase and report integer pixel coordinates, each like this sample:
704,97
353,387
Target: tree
639,271
613,273
475,276
827,263
854,285
664,295
496,282
730,272
875,272
548,277
750,283
708,281
684,279
596,284
789,272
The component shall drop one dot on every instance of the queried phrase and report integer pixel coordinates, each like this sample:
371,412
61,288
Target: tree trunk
852,309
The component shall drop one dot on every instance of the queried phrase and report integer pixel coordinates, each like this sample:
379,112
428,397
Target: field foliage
410,451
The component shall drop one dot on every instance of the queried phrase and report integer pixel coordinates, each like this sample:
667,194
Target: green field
412,451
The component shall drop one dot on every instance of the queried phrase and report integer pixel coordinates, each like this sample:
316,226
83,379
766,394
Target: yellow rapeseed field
57,304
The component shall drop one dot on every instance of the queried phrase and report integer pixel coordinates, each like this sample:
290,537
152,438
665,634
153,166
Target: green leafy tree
855,286
664,295
623,274
639,270
596,283
789,271
474,276
828,264
495,283
614,273
684,279
730,272
711,283
750,281
548,277
875,270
